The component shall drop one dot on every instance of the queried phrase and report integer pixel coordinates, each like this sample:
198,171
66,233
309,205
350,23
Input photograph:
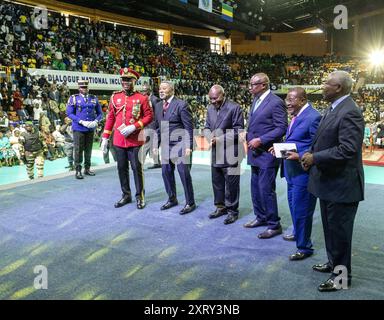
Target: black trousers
338,219
126,156
226,188
82,144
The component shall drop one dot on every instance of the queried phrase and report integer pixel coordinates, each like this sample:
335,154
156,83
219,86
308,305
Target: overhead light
377,58
305,16
317,30
287,25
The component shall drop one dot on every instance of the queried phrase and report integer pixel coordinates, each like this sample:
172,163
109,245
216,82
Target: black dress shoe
218,213
299,256
325,268
89,172
79,175
330,285
289,237
231,218
254,223
123,201
140,203
188,208
269,233
169,204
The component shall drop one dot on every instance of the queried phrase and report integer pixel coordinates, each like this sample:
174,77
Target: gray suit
224,124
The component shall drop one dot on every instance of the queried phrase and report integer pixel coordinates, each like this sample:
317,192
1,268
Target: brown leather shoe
255,223
269,233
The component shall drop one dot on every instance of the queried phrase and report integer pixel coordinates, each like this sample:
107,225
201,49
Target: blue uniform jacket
85,108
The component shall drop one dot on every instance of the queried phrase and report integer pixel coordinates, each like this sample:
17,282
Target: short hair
300,91
344,79
171,85
263,76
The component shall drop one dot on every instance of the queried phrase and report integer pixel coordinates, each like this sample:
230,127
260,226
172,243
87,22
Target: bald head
216,95
338,84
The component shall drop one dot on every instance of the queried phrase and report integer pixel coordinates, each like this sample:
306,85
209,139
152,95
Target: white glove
85,123
92,124
128,130
104,145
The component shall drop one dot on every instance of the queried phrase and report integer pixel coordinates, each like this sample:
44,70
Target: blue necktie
258,102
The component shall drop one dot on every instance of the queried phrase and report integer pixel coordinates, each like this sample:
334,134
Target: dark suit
269,123
175,133
301,203
224,124
337,177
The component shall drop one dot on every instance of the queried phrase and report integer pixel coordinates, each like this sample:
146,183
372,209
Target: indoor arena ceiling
250,16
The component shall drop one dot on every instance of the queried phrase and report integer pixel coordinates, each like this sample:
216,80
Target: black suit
337,177
224,124
175,134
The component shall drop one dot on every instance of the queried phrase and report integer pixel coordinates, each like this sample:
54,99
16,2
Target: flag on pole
205,5
227,12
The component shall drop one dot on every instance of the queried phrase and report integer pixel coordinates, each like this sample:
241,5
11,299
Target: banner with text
97,81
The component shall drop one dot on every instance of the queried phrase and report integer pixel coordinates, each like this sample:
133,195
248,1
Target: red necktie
165,106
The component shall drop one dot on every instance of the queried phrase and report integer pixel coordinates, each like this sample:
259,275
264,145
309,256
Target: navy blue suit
337,177
175,133
269,123
224,124
301,203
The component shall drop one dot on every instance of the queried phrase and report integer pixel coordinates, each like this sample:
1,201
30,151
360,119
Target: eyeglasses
255,84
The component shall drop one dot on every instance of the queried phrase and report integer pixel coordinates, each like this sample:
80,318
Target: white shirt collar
302,109
338,101
264,95
170,99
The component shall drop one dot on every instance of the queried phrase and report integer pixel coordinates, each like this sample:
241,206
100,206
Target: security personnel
32,150
85,111
129,112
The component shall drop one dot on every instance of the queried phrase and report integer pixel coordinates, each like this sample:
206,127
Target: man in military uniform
129,112
32,150
85,112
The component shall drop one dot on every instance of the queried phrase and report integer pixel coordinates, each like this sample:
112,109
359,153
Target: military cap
82,83
129,73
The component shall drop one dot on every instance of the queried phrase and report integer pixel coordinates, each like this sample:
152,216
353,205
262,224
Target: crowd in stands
76,44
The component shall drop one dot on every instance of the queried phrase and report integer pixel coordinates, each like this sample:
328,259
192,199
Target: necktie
165,106
291,124
327,112
258,101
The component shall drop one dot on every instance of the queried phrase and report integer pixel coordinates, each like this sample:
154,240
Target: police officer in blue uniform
85,111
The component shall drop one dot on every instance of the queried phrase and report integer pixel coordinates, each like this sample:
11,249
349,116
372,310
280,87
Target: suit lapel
298,120
221,115
332,116
260,108
170,109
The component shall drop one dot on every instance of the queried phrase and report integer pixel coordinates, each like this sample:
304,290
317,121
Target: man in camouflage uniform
32,150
